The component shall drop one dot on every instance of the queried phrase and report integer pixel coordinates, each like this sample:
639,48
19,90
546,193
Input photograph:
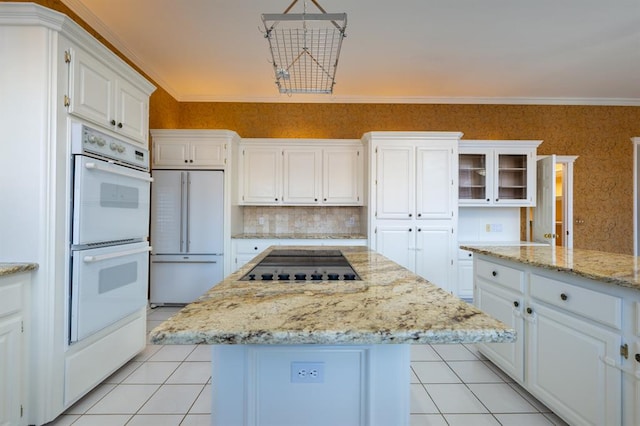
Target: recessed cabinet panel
435,192
395,182
207,153
302,176
433,252
262,175
342,176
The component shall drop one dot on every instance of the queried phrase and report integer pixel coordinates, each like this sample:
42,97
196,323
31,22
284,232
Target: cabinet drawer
500,274
10,298
594,305
253,246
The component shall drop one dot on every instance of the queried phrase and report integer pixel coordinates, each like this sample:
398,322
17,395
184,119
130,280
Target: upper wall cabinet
497,173
191,149
300,172
103,96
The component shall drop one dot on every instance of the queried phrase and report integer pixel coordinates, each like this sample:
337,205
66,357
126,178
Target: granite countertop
612,268
14,268
301,236
389,305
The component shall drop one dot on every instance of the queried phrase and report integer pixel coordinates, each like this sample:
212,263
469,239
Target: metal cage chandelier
305,48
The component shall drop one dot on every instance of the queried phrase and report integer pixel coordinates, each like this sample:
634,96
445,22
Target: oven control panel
87,140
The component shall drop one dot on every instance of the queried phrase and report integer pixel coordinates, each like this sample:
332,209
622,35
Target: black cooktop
302,265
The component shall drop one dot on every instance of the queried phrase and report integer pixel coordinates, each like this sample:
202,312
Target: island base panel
257,385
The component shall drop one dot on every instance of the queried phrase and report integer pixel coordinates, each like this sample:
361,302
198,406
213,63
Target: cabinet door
395,182
465,279
91,89
433,253
10,368
505,306
301,180
514,182
261,175
436,196
397,242
342,176
132,112
567,371
475,177
171,153
207,153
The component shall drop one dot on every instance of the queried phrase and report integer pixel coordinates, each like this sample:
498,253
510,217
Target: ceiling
408,51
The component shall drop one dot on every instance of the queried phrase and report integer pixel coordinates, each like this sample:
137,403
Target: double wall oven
109,241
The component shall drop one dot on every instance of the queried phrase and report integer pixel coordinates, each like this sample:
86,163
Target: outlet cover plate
307,372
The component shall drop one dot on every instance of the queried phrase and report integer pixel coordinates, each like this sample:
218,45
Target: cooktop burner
302,265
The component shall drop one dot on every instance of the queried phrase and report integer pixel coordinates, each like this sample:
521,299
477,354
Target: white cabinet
300,172
413,201
465,275
497,173
191,149
101,95
568,351
13,352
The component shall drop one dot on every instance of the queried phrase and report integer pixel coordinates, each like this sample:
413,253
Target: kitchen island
328,352
577,315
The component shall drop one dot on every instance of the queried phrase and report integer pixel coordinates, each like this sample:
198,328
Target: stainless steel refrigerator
186,234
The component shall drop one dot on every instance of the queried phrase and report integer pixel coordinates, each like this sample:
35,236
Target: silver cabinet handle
101,257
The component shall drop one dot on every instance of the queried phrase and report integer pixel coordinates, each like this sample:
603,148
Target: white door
261,175
505,306
433,253
397,242
395,182
544,213
302,168
204,204
436,195
567,363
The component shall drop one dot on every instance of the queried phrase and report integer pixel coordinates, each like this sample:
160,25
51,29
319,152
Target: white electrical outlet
307,372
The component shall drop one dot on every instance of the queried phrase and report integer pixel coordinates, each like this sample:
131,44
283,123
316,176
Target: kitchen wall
600,135
302,220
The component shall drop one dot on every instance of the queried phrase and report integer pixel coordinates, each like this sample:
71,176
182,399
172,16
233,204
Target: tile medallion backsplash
302,220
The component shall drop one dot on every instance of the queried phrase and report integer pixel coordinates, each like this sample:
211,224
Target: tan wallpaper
600,135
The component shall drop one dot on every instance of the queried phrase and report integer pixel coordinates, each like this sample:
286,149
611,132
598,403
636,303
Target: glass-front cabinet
497,173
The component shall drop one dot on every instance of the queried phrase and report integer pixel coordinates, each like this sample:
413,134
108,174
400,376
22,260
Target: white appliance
109,248
186,233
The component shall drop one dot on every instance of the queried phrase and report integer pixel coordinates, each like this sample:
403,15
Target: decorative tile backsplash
302,220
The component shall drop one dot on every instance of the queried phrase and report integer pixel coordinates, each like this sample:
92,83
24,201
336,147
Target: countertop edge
10,268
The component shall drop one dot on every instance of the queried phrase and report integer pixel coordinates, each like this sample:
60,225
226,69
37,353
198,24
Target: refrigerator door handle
188,205
181,209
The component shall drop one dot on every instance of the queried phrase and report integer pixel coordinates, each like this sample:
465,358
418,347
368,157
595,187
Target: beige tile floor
170,385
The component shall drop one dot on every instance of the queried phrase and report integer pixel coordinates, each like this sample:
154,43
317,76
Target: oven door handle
101,257
94,166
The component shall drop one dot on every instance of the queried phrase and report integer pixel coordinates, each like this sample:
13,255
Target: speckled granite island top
612,268
389,305
14,268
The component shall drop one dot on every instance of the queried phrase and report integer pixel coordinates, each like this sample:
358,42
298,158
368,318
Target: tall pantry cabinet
413,201
54,73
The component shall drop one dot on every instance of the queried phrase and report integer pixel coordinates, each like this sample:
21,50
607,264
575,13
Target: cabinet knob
470,255
419,214
410,229
494,273
410,215
276,199
563,296
186,161
325,199
529,311
119,125
113,122
488,199
315,199
637,357
516,303
191,161
497,200
255,248
419,229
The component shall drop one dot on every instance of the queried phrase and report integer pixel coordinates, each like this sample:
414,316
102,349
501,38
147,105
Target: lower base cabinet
571,332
